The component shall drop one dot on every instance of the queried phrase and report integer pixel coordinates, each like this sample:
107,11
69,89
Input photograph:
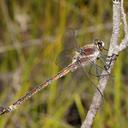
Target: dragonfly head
100,45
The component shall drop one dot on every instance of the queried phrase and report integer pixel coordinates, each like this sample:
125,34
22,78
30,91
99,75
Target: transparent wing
69,48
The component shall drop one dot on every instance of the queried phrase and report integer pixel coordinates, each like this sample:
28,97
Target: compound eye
100,44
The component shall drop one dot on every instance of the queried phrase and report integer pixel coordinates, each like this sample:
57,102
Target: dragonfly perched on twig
84,56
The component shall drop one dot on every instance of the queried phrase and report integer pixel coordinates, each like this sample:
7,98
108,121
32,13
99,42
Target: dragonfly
84,56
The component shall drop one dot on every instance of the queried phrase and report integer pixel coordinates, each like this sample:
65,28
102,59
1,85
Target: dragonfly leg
79,62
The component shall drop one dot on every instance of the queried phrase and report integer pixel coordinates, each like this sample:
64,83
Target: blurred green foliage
34,34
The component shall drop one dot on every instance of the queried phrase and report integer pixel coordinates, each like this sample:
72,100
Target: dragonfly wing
69,46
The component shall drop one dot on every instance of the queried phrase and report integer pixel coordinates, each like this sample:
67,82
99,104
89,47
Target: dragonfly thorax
88,53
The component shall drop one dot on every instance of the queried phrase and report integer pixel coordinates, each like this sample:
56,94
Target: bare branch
114,49
123,16
116,27
124,42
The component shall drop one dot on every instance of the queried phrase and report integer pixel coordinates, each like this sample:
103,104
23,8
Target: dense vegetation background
36,41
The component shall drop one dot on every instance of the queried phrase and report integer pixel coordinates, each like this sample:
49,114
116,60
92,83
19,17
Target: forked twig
118,14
